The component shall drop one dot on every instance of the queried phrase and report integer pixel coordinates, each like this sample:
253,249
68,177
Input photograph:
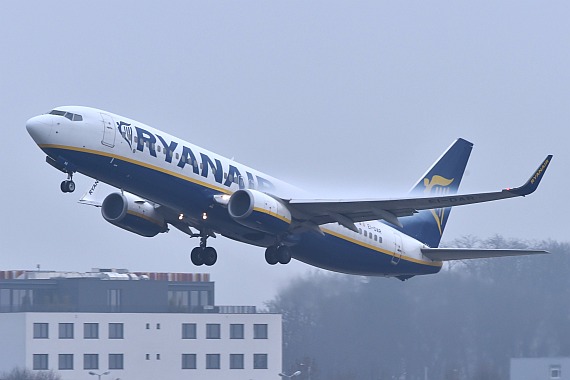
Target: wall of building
152,344
13,337
540,369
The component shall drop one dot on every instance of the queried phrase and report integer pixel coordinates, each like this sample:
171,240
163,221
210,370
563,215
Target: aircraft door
398,249
109,130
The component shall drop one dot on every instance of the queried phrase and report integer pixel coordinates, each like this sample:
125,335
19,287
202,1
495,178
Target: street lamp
99,374
295,374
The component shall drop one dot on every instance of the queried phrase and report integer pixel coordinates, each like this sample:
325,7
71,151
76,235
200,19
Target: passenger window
365,234
136,139
183,159
177,156
375,238
379,239
360,231
158,148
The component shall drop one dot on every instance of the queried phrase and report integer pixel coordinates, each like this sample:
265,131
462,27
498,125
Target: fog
464,323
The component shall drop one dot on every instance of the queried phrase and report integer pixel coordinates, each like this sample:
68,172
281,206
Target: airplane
163,181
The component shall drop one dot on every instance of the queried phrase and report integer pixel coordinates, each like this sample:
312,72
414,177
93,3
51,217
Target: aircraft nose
39,127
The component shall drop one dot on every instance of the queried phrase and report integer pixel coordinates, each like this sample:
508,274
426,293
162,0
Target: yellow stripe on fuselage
378,249
140,163
227,191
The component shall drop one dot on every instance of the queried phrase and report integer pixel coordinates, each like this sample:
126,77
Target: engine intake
132,214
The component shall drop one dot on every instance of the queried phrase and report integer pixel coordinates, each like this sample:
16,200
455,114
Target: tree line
466,322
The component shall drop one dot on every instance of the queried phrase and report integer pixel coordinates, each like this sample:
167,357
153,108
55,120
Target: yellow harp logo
437,185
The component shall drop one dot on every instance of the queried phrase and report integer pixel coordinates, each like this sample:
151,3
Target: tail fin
442,178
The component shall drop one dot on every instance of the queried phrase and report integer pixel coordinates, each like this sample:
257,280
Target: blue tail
442,178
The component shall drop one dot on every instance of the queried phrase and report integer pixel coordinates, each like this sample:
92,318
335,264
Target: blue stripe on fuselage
193,197
340,255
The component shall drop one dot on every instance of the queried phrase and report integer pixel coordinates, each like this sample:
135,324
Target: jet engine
132,214
259,211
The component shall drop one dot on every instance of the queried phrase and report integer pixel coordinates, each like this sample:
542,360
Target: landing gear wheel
284,254
67,186
196,256
210,256
271,255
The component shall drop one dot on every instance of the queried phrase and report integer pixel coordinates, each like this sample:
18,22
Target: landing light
204,216
181,216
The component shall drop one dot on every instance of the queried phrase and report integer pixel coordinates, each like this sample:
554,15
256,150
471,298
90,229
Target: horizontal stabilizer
448,254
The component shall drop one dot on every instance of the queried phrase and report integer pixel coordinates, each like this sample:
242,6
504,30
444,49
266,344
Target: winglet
532,184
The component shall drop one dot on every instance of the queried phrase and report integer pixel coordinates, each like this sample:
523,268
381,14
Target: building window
115,361
213,331
90,361
65,361
204,298
91,331
555,372
40,362
194,298
188,331
114,299
66,331
236,361
259,361
260,331
212,361
188,361
41,331
236,331
116,331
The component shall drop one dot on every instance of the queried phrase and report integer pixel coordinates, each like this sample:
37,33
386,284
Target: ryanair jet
163,181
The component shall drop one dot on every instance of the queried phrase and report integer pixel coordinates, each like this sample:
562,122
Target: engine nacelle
259,211
132,214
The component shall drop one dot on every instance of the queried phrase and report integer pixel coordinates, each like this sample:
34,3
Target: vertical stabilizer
442,178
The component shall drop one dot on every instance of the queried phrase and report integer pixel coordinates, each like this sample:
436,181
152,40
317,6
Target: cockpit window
69,115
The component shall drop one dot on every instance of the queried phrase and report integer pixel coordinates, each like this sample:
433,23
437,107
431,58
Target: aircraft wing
448,254
347,212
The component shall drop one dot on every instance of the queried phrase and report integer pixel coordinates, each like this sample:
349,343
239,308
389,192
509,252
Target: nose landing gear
68,186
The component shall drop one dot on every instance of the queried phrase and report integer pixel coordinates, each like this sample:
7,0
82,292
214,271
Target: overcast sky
348,99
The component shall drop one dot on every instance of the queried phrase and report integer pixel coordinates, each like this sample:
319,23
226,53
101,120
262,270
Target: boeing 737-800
164,181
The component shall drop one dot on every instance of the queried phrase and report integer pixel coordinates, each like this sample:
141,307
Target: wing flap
449,254
322,211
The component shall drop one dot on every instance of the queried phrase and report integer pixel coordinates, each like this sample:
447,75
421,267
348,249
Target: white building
157,341
540,368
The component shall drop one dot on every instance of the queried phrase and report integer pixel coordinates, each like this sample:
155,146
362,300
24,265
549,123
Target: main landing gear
68,186
203,255
278,254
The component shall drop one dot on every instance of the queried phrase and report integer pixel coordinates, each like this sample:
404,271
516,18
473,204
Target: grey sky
348,99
